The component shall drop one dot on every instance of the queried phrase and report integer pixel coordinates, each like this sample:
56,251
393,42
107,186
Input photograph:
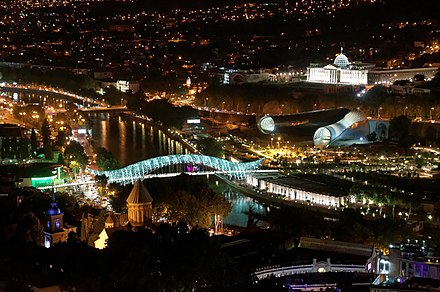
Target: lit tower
53,229
188,82
139,205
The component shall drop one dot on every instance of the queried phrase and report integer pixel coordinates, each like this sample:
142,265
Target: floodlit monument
55,230
344,72
340,72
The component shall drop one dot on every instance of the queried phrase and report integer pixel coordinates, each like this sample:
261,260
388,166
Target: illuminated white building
293,189
344,72
128,86
340,72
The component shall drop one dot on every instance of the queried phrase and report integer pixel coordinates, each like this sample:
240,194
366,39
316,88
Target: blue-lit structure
138,170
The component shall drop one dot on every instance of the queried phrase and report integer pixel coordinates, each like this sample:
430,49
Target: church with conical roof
95,230
139,205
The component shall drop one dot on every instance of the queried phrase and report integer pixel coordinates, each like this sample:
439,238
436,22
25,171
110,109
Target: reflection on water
131,141
240,204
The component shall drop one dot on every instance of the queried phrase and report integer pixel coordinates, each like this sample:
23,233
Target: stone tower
139,205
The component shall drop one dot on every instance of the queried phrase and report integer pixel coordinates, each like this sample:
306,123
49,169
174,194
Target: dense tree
182,198
61,158
399,130
194,203
23,148
383,196
105,160
61,138
47,144
114,96
163,111
75,156
209,146
34,143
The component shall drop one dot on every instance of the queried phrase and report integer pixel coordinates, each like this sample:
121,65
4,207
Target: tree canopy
105,160
75,156
399,130
209,146
182,198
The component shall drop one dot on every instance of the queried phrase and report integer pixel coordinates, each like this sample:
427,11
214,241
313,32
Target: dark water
133,141
241,205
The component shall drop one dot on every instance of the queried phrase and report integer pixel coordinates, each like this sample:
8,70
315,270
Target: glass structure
352,129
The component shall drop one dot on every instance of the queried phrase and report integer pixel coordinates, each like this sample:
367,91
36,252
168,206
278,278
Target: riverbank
274,201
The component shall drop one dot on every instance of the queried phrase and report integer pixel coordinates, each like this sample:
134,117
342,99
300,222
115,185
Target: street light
404,111
22,114
378,112
430,113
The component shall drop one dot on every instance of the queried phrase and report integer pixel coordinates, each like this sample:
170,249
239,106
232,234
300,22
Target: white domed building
342,71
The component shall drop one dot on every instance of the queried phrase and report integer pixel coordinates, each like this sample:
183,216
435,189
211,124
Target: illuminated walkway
311,268
141,169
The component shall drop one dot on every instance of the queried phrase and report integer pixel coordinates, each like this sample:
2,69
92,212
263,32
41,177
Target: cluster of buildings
404,261
88,43
96,228
340,72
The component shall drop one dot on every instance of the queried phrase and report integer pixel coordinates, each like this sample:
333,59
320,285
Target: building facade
139,205
290,190
54,229
406,260
344,72
340,72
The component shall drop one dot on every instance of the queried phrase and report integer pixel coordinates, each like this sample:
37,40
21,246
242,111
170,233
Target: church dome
341,61
53,210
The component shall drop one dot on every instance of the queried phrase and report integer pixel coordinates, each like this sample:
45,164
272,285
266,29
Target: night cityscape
219,145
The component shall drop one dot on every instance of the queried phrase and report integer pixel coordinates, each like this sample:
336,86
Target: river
132,141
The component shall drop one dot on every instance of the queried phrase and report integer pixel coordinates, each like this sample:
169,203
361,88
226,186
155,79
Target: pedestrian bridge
193,163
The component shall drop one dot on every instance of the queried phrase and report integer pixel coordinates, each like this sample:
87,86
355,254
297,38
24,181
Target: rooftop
139,194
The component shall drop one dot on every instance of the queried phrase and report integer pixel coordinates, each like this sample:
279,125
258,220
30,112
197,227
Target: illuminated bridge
192,163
